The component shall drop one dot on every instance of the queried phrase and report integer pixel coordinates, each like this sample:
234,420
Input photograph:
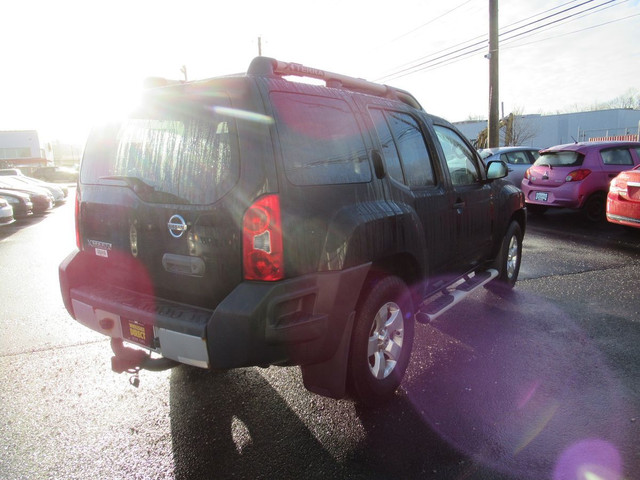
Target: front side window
321,140
166,160
616,156
463,169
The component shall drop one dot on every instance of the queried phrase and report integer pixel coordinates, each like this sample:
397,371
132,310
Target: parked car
59,191
623,200
20,202
518,160
6,212
56,174
41,198
56,192
577,176
254,220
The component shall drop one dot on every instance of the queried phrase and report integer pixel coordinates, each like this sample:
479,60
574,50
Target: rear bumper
298,321
569,196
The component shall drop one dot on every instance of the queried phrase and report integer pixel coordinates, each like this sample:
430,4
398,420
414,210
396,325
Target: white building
549,130
21,148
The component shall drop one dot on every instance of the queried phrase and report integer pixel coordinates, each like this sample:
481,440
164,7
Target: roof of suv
270,67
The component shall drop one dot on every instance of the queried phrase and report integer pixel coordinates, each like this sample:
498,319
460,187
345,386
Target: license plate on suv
137,332
542,196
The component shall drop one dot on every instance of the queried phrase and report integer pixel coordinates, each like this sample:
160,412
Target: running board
432,308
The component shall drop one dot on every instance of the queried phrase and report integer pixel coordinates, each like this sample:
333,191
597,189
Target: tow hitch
132,360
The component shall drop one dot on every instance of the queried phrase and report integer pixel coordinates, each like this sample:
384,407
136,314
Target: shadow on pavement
235,425
499,388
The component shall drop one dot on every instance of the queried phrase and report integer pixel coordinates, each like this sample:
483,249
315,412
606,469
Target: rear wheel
508,261
381,342
594,208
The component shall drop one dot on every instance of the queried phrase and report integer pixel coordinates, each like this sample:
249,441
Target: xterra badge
101,248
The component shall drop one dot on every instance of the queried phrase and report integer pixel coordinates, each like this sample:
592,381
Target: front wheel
508,261
381,342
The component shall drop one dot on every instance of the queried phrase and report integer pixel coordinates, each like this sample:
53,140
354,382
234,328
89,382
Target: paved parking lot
533,385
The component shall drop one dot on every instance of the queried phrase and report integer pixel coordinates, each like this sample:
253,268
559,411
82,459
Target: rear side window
179,160
404,149
560,159
321,140
516,158
616,156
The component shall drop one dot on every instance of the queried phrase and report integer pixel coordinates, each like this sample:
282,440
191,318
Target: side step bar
437,304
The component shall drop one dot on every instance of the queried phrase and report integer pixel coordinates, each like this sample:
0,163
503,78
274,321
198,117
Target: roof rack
271,66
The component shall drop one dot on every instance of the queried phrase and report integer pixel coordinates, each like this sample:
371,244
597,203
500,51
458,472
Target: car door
470,200
414,179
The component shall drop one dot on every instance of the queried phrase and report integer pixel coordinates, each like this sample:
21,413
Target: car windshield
560,159
170,159
484,153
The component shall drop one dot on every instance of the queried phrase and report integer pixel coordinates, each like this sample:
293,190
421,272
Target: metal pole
494,94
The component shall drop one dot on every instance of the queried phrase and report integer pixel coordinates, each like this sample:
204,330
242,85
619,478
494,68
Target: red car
623,200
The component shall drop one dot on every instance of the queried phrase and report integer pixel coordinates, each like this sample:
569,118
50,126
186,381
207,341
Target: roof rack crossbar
265,65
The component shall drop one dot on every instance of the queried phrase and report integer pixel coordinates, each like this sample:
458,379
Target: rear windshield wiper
146,191
137,184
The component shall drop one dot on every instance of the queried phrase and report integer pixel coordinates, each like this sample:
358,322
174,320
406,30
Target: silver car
518,160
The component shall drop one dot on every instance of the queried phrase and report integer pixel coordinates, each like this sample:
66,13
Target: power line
464,51
430,22
436,60
573,32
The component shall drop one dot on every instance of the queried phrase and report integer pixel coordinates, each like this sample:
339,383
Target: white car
6,213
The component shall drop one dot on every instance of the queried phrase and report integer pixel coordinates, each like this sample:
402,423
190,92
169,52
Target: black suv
254,220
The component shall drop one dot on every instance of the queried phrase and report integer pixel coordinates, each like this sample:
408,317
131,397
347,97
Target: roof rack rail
271,66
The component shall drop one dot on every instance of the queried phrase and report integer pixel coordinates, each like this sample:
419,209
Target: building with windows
542,131
21,148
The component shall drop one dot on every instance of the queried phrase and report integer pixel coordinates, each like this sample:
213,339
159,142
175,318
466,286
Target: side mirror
496,169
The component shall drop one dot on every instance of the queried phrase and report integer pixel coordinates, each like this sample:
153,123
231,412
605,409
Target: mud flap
329,378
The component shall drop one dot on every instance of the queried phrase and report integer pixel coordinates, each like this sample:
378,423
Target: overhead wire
440,58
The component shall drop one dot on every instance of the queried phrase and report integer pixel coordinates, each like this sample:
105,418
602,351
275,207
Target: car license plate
137,332
542,196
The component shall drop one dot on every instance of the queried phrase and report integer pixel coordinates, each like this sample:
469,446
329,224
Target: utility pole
494,92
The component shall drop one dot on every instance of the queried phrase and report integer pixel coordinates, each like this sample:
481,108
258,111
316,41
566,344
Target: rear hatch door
154,202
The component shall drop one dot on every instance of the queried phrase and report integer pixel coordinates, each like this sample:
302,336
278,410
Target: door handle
459,205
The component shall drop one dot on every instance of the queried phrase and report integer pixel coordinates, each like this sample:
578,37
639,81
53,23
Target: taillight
618,186
77,216
262,240
577,175
527,174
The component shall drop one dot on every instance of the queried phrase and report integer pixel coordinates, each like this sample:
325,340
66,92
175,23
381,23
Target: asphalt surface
542,383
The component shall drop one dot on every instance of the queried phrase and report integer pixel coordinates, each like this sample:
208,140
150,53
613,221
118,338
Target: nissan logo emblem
177,226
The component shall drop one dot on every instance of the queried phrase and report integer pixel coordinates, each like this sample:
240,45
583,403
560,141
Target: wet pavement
542,383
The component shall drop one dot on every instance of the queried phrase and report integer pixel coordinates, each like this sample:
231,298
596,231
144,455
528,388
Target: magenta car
577,176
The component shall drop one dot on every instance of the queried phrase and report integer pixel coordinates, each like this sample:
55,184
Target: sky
69,64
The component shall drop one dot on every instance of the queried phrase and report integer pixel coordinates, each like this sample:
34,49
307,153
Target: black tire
535,209
381,341
508,261
594,209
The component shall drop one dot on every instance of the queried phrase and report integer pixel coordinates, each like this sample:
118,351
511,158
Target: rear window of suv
184,159
560,159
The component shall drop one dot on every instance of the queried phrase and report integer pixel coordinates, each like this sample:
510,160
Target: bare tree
514,130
